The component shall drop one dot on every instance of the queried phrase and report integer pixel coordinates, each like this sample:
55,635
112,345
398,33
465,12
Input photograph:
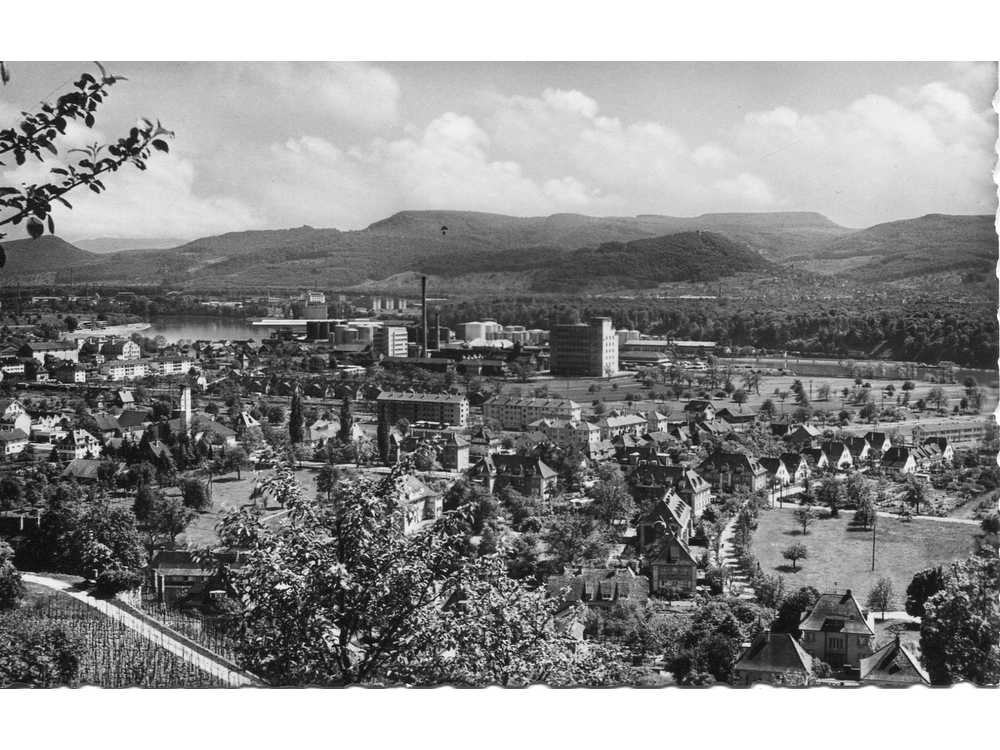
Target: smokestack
423,315
437,327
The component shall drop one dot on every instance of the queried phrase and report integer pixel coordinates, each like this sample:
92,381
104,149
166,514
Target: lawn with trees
840,555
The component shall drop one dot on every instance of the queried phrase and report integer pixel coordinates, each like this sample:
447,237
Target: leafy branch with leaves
39,132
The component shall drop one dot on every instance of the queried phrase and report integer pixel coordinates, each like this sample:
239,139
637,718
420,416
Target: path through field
216,667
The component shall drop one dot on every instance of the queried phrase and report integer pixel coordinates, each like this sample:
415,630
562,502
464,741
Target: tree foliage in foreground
960,630
341,596
39,132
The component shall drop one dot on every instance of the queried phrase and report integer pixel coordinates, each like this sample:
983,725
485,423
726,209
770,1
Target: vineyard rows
114,655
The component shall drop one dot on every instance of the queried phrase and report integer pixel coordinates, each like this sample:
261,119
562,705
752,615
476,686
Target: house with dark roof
838,454
177,574
818,458
879,441
673,569
775,658
83,470
733,472
598,587
945,452
803,434
797,466
702,411
13,442
777,472
899,459
525,474
618,425
418,502
670,514
484,442
649,480
859,448
838,631
738,422
893,665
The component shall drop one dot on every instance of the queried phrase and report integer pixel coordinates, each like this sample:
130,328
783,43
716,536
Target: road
215,667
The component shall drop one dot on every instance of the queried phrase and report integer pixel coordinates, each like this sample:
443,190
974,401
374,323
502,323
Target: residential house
68,372
899,459
947,453
649,479
893,665
566,433
418,502
701,411
177,574
803,434
860,449
738,422
657,422
179,365
117,348
797,466
454,455
669,515
83,470
838,631
672,568
525,474
777,472
838,454
818,457
598,587
616,425
78,444
13,442
775,658
484,442
879,442
733,472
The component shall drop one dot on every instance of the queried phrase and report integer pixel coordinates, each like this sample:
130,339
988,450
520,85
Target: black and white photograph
577,374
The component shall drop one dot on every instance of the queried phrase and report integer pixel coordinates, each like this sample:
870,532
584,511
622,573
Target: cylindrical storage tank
365,334
622,335
339,334
475,330
315,312
324,329
633,335
535,335
312,330
350,336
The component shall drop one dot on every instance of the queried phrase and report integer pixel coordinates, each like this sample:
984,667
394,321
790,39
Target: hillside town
650,510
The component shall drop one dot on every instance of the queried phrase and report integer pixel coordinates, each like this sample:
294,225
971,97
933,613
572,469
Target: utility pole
874,525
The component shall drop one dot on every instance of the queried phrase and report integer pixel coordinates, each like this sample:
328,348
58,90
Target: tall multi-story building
584,349
391,341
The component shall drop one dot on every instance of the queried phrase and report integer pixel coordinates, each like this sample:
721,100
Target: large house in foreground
775,658
838,631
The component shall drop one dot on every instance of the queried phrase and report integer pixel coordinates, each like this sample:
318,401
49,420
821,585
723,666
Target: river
175,328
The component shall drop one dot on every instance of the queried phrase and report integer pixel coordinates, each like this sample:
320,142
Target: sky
274,145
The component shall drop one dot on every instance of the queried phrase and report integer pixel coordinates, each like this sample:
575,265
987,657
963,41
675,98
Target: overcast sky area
278,145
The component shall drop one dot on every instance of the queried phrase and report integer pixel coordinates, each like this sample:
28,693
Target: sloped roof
598,583
8,436
721,462
894,663
82,468
514,464
837,612
774,652
669,507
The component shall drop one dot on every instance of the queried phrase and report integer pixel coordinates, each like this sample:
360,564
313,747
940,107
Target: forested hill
645,263
46,254
916,247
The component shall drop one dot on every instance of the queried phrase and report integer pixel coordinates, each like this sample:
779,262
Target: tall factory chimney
423,315
437,326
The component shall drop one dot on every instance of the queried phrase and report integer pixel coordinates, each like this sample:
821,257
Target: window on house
837,644
810,637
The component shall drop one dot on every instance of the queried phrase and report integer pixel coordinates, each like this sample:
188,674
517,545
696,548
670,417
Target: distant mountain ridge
118,244
617,252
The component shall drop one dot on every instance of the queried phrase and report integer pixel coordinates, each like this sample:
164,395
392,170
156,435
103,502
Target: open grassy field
840,558
228,493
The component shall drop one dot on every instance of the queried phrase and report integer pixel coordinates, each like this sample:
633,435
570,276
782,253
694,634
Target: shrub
114,581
